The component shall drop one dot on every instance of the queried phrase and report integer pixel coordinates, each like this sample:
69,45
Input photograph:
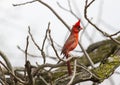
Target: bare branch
62,7
85,15
54,12
115,33
89,3
52,44
26,49
104,33
29,54
71,11
32,55
24,3
68,10
85,32
45,37
33,39
87,56
42,52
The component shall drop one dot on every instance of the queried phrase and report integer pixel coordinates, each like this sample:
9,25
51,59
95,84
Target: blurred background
14,22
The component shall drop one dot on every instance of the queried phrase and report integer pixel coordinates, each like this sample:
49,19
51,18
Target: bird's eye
78,27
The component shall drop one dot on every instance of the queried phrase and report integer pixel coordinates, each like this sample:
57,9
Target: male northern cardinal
71,43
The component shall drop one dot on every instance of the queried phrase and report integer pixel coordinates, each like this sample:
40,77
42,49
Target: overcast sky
15,20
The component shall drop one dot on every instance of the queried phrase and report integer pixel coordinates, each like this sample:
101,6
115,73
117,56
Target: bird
71,43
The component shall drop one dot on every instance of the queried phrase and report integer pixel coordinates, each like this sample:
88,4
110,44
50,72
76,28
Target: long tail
69,67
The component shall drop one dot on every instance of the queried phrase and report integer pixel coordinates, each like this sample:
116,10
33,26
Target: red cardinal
71,43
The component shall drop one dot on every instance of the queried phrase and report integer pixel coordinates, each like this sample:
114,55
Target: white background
14,22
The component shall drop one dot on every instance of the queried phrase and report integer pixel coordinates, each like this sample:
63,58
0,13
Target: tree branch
54,13
86,17
24,3
42,52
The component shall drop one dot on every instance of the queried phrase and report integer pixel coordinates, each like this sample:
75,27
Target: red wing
70,44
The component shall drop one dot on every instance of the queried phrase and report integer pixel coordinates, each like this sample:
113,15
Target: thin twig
68,10
54,12
85,15
87,56
33,39
45,37
104,33
26,50
86,33
32,55
52,44
71,11
29,54
90,3
42,52
69,4
115,33
24,3
62,7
